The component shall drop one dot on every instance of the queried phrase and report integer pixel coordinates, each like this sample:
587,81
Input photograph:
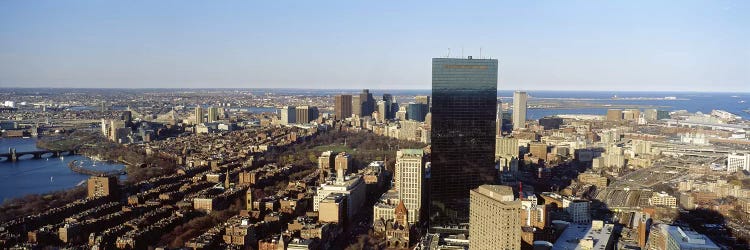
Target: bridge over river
13,155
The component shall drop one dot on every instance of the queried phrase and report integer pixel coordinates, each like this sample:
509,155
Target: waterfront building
494,221
463,141
343,106
520,104
288,115
614,115
98,186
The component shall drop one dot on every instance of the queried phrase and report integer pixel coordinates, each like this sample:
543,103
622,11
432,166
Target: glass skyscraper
464,99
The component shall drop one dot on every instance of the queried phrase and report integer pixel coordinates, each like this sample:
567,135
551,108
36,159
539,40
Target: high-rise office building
343,161
213,114
401,113
343,106
495,221
423,99
127,116
417,111
356,106
288,115
463,141
499,120
199,115
306,114
364,105
388,100
409,178
382,110
519,109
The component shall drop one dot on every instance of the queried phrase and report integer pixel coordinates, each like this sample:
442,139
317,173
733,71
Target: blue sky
541,45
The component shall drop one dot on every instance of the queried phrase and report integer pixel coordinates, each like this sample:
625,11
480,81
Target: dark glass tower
464,99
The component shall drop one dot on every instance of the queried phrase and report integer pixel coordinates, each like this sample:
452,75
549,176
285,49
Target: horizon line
353,89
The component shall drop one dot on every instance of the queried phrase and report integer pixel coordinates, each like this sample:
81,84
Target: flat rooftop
579,236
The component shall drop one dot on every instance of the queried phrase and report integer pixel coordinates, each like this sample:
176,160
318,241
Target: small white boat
51,179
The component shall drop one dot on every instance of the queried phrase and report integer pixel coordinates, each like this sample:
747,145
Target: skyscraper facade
417,111
519,109
288,115
388,100
409,178
356,106
199,115
306,114
213,114
367,103
495,221
463,134
343,106
424,99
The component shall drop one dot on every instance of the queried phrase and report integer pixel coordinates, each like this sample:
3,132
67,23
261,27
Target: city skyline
644,46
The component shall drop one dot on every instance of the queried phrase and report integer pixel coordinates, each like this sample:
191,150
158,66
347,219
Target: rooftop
594,236
689,239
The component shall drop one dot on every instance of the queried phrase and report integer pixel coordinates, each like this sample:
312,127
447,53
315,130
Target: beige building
199,115
101,186
494,221
409,172
506,146
614,115
663,199
344,161
204,204
333,209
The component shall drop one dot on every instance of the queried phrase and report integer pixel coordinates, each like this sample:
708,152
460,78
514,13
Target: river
38,176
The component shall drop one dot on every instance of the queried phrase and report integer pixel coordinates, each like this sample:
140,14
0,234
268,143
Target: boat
51,179
743,101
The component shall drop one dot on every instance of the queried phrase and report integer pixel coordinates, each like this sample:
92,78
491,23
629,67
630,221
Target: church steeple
402,214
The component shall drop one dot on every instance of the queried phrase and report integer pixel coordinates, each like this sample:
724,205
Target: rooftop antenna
480,53
449,53
462,52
